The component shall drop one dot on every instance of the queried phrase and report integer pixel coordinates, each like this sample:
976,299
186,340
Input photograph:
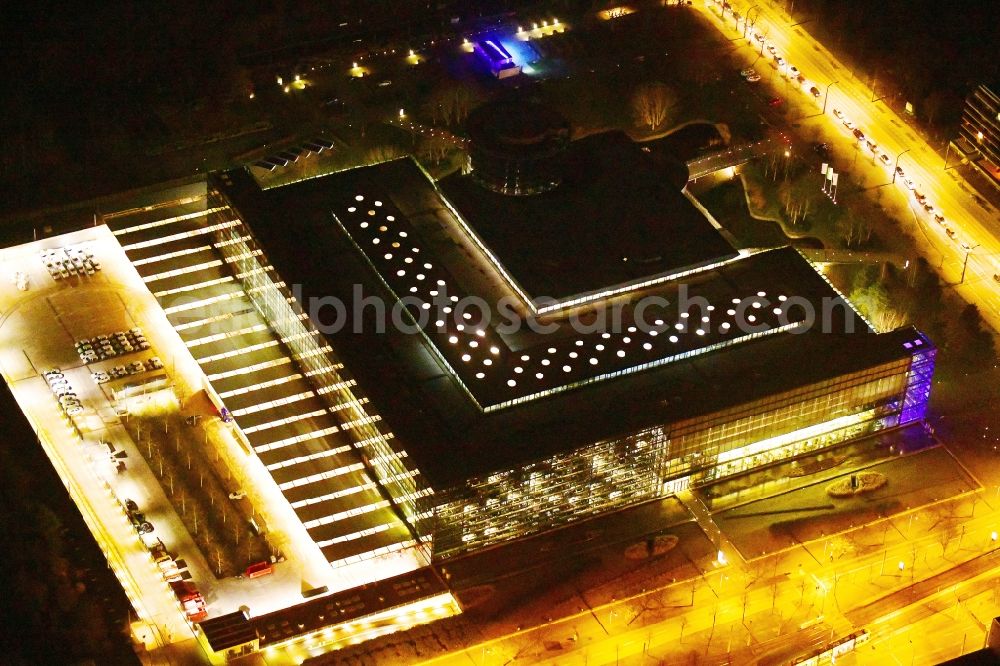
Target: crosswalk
304,443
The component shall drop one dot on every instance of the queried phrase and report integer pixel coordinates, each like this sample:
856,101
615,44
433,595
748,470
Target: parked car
939,218
815,91
793,70
872,146
774,101
822,149
885,159
858,134
838,114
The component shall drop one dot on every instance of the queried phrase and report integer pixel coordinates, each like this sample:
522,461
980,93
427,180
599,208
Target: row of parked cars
919,197
69,402
63,262
111,345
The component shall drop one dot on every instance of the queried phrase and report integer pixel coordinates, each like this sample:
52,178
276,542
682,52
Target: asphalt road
979,227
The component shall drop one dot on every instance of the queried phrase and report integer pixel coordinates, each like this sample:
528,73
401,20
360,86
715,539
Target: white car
793,70
885,159
838,114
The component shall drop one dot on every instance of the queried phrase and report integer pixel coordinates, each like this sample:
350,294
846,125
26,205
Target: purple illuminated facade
499,59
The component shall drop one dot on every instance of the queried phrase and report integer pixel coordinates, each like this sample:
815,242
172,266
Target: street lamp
965,264
826,95
896,165
746,19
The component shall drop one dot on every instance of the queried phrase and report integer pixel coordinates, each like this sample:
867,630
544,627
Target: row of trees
190,476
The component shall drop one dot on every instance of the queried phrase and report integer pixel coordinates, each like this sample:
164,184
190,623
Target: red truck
191,600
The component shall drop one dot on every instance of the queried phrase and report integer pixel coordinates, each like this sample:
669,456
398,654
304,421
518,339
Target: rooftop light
364,225
552,350
605,335
511,383
684,315
762,294
545,361
351,209
466,357
378,203
567,368
621,353
700,331
579,343
390,218
679,326
647,346
594,361
359,198
388,256
473,343
480,375
460,327
480,332
525,357
599,347
573,354
494,350
400,272
673,338
453,339
518,369
487,361
539,375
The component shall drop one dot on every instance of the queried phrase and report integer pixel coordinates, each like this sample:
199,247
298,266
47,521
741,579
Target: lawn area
808,513
726,200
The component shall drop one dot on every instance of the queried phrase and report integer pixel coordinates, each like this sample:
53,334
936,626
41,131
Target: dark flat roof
432,400
352,604
229,630
618,216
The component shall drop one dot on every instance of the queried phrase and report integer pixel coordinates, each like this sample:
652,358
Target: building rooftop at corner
618,219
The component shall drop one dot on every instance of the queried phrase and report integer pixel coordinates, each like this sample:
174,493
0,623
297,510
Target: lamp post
965,263
746,19
826,95
895,167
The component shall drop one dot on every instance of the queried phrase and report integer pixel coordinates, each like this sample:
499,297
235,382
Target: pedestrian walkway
704,519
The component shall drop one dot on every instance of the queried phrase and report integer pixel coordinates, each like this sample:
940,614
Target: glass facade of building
981,122
377,447
655,462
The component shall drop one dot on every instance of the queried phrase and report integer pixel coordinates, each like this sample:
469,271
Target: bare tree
652,103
